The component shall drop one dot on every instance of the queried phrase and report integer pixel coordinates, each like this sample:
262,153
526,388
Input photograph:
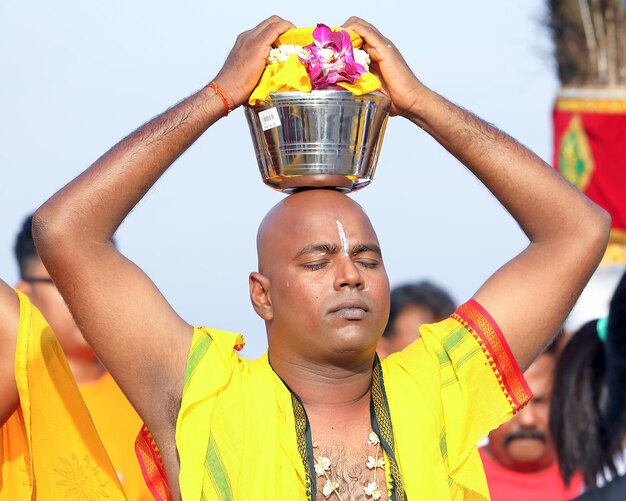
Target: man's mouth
351,310
525,435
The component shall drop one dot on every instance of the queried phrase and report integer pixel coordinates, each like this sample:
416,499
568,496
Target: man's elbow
595,230
49,232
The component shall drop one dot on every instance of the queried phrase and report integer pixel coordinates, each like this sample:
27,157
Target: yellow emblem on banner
616,250
575,158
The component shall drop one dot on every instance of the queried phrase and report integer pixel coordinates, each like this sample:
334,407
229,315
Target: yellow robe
50,448
117,424
241,434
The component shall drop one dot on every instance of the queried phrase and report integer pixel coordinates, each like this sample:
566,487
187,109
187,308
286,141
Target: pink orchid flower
331,58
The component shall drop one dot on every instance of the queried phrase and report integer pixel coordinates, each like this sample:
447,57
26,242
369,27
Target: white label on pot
269,119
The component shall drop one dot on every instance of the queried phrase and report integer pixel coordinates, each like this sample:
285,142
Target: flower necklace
323,469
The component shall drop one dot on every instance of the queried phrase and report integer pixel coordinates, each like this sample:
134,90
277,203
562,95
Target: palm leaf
590,41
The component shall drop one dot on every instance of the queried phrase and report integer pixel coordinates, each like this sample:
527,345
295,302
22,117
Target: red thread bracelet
227,107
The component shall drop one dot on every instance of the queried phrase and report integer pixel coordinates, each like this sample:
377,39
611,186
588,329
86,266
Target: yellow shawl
241,434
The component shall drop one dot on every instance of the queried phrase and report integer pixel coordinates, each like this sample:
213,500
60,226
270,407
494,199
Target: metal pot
324,138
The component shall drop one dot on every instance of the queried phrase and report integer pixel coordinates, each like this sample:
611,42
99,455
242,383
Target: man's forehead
314,209
312,217
540,374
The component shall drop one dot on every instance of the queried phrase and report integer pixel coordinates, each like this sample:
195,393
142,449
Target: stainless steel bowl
325,138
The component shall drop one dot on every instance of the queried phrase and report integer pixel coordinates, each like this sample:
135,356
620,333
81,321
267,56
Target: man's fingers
264,34
362,27
273,26
270,20
273,30
248,57
350,21
375,43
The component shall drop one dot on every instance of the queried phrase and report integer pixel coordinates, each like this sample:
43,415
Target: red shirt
544,485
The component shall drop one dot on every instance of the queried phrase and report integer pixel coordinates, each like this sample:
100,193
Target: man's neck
323,386
85,370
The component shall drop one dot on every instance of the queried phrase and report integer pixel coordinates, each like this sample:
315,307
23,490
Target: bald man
319,416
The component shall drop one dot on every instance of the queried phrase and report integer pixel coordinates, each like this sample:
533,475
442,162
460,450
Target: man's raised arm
531,295
130,325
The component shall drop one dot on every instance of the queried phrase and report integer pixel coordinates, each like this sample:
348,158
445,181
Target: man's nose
526,417
348,274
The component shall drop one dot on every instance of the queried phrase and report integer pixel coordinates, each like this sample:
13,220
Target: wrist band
227,107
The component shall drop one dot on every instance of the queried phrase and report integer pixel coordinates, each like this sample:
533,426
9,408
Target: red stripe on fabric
151,465
486,331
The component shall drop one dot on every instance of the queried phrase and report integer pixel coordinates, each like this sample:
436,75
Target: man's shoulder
225,341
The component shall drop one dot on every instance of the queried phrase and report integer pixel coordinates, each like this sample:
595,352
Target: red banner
590,152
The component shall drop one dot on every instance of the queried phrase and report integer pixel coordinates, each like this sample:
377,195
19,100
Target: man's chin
528,453
351,344
357,333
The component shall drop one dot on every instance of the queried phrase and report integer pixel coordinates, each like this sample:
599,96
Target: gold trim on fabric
616,250
614,254
608,106
617,237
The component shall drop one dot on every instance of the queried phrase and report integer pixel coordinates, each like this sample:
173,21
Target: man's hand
399,82
248,58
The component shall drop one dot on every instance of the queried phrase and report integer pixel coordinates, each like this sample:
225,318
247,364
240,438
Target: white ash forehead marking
345,246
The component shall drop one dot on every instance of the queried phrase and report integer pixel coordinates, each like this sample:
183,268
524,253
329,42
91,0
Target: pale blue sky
79,75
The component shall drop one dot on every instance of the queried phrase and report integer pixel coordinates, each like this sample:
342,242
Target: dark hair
587,412
424,294
615,355
575,418
25,249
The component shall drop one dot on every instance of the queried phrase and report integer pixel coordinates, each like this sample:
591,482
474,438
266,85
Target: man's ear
24,287
260,295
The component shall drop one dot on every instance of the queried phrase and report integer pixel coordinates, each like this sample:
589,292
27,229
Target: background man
115,419
413,305
520,459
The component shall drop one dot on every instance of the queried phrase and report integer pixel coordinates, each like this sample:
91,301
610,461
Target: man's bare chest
350,469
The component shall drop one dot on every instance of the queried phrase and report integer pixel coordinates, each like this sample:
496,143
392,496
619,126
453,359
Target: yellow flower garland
291,75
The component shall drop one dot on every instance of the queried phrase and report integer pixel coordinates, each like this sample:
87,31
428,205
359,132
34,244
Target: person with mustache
520,459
